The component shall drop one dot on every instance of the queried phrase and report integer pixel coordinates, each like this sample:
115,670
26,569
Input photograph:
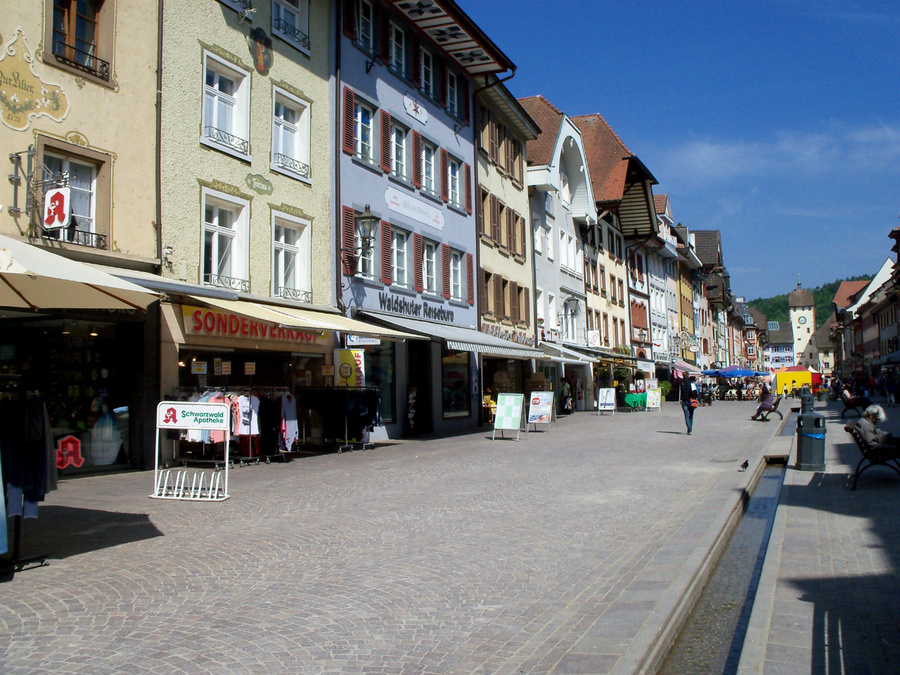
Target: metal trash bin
810,442
807,400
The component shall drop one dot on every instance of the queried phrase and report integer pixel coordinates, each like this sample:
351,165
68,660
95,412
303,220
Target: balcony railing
296,35
79,237
227,139
80,59
293,165
294,294
227,282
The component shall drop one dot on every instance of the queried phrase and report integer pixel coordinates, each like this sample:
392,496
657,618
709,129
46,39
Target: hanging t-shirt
248,420
290,430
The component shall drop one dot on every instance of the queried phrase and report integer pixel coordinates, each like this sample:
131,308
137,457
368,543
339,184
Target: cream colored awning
290,317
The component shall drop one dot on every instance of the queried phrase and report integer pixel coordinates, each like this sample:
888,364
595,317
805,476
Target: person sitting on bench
868,426
766,402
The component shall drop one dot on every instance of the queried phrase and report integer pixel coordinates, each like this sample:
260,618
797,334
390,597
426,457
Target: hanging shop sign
217,322
24,96
351,368
57,206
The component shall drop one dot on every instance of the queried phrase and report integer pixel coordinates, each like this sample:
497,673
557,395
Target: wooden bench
854,403
883,455
764,415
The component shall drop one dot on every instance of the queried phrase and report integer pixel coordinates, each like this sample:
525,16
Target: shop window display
380,373
455,383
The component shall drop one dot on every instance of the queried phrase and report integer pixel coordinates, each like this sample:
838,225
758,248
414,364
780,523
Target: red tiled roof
847,290
660,202
607,157
548,118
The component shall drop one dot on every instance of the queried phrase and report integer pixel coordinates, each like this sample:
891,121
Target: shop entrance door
419,378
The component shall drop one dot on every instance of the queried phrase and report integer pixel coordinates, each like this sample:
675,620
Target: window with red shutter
464,92
445,171
499,305
494,131
496,233
511,226
416,63
483,292
349,139
514,301
417,159
470,278
384,28
348,240
387,267
468,178
445,270
419,254
350,19
385,141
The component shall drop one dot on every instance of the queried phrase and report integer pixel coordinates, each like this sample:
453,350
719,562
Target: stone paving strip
565,552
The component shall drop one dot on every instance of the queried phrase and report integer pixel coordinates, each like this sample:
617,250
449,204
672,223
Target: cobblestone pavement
565,552
829,596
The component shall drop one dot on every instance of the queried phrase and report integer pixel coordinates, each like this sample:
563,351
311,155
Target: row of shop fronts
102,372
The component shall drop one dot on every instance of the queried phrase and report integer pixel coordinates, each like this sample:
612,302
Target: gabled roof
454,31
661,204
847,290
548,119
801,297
709,246
822,336
784,334
761,320
618,177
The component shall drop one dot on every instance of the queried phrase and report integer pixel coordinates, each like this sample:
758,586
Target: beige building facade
246,192
78,86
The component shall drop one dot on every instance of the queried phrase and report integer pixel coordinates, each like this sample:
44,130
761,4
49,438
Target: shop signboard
350,367
509,413
654,399
180,415
250,368
361,340
540,407
198,367
606,400
211,322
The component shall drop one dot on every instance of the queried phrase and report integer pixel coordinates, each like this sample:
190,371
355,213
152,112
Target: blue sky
775,122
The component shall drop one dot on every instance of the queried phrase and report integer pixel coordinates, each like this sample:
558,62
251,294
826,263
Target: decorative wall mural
24,95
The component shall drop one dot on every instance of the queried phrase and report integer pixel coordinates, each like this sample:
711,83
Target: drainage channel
713,635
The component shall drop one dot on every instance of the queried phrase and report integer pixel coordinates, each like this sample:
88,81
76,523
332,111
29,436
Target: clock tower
802,315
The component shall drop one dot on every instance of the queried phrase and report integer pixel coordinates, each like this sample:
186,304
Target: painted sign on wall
24,96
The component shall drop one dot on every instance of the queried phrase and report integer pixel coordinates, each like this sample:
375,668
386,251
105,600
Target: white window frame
238,232
365,26
399,160
297,285
364,151
429,175
400,258
454,168
453,94
429,267
456,275
429,74
240,108
295,34
294,163
365,258
75,232
397,49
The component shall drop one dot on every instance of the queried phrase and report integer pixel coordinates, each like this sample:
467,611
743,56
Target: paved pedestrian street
565,552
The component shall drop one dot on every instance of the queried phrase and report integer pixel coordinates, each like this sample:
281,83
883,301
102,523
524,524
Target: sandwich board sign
540,408
654,399
606,401
509,414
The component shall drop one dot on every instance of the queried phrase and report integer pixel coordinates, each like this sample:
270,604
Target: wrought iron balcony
81,59
79,237
227,139
227,282
294,294
293,33
293,165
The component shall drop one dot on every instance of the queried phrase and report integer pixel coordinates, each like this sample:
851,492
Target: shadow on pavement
62,531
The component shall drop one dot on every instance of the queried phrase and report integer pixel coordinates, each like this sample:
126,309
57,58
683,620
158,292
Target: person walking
565,392
690,399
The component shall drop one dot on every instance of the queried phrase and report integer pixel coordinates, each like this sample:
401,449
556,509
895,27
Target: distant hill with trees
776,308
